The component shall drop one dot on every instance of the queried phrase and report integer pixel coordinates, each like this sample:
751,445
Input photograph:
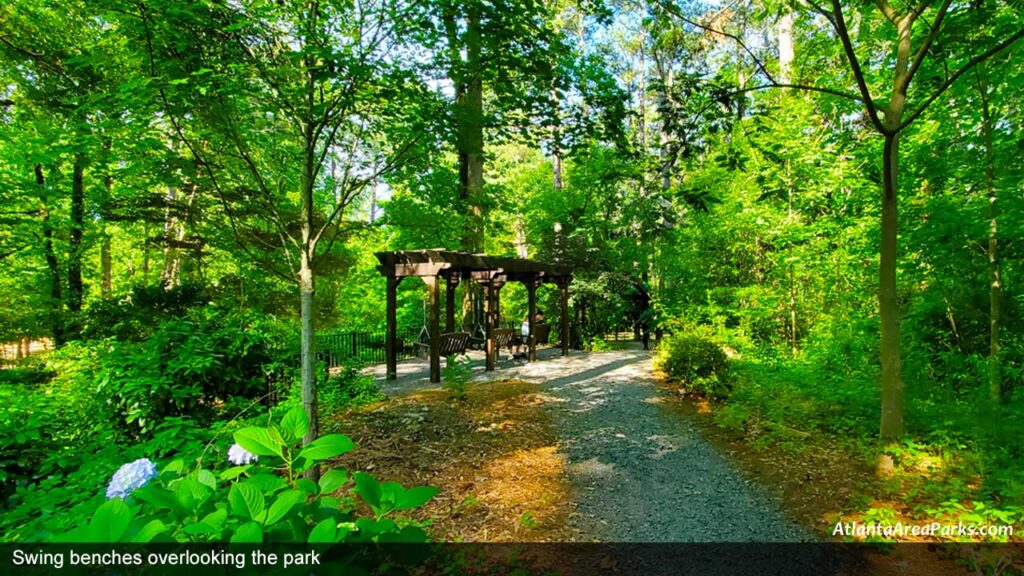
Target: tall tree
920,34
291,111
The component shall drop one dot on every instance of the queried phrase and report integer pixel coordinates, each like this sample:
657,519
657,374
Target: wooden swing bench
503,338
452,343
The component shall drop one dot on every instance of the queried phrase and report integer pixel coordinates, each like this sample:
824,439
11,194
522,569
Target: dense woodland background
831,193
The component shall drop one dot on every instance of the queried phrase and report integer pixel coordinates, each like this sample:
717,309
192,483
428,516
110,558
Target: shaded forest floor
526,460
494,456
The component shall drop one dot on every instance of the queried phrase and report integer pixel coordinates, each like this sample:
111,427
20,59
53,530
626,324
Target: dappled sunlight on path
639,473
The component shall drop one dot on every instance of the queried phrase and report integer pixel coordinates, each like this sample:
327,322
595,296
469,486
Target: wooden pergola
491,272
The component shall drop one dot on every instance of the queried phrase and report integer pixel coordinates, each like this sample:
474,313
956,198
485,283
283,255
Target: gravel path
640,473
645,475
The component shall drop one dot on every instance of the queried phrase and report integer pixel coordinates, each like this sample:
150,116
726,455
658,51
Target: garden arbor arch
491,272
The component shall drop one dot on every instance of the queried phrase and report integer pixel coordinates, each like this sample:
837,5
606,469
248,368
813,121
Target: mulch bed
493,456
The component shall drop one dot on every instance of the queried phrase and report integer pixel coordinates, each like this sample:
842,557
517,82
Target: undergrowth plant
458,370
263,498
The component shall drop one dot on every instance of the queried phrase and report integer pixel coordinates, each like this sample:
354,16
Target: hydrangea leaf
295,423
111,520
326,447
261,441
367,488
414,497
282,505
248,533
233,472
246,500
324,532
332,480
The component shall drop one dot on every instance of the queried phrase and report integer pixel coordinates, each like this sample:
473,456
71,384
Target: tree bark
473,126
169,272
888,306
106,266
995,274
786,47
75,288
56,293
307,293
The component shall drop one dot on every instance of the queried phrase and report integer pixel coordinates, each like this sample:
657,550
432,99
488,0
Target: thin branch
13,251
42,60
933,33
840,93
966,68
199,157
888,10
819,9
359,185
851,56
674,10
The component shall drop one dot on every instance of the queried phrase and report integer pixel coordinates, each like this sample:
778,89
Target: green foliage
266,501
133,316
338,392
458,371
189,365
696,362
597,344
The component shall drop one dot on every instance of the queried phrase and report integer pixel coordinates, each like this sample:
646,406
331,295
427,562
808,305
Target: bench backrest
454,343
503,337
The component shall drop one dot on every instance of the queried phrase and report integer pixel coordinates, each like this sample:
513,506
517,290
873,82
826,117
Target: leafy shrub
43,416
24,441
696,362
190,366
347,389
338,392
458,370
733,417
132,317
264,498
597,344
27,376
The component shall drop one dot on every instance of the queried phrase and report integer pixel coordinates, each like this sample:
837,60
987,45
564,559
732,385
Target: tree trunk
995,287
169,273
888,306
56,294
519,235
307,291
106,267
786,47
473,239
75,288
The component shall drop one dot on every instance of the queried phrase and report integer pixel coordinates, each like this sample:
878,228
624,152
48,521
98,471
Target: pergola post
434,326
449,302
391,338
531,342
563,287
492,303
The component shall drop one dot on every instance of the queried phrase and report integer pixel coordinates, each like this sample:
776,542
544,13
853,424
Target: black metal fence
339,348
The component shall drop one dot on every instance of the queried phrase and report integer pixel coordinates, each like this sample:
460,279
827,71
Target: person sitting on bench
524,338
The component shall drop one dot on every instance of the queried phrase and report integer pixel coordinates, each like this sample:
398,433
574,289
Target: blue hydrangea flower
240,456
131,476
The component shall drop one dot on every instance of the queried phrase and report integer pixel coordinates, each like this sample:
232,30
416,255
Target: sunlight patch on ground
526,484
594,468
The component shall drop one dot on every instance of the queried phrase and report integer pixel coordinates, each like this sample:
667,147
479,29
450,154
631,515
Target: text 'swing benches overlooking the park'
452,343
